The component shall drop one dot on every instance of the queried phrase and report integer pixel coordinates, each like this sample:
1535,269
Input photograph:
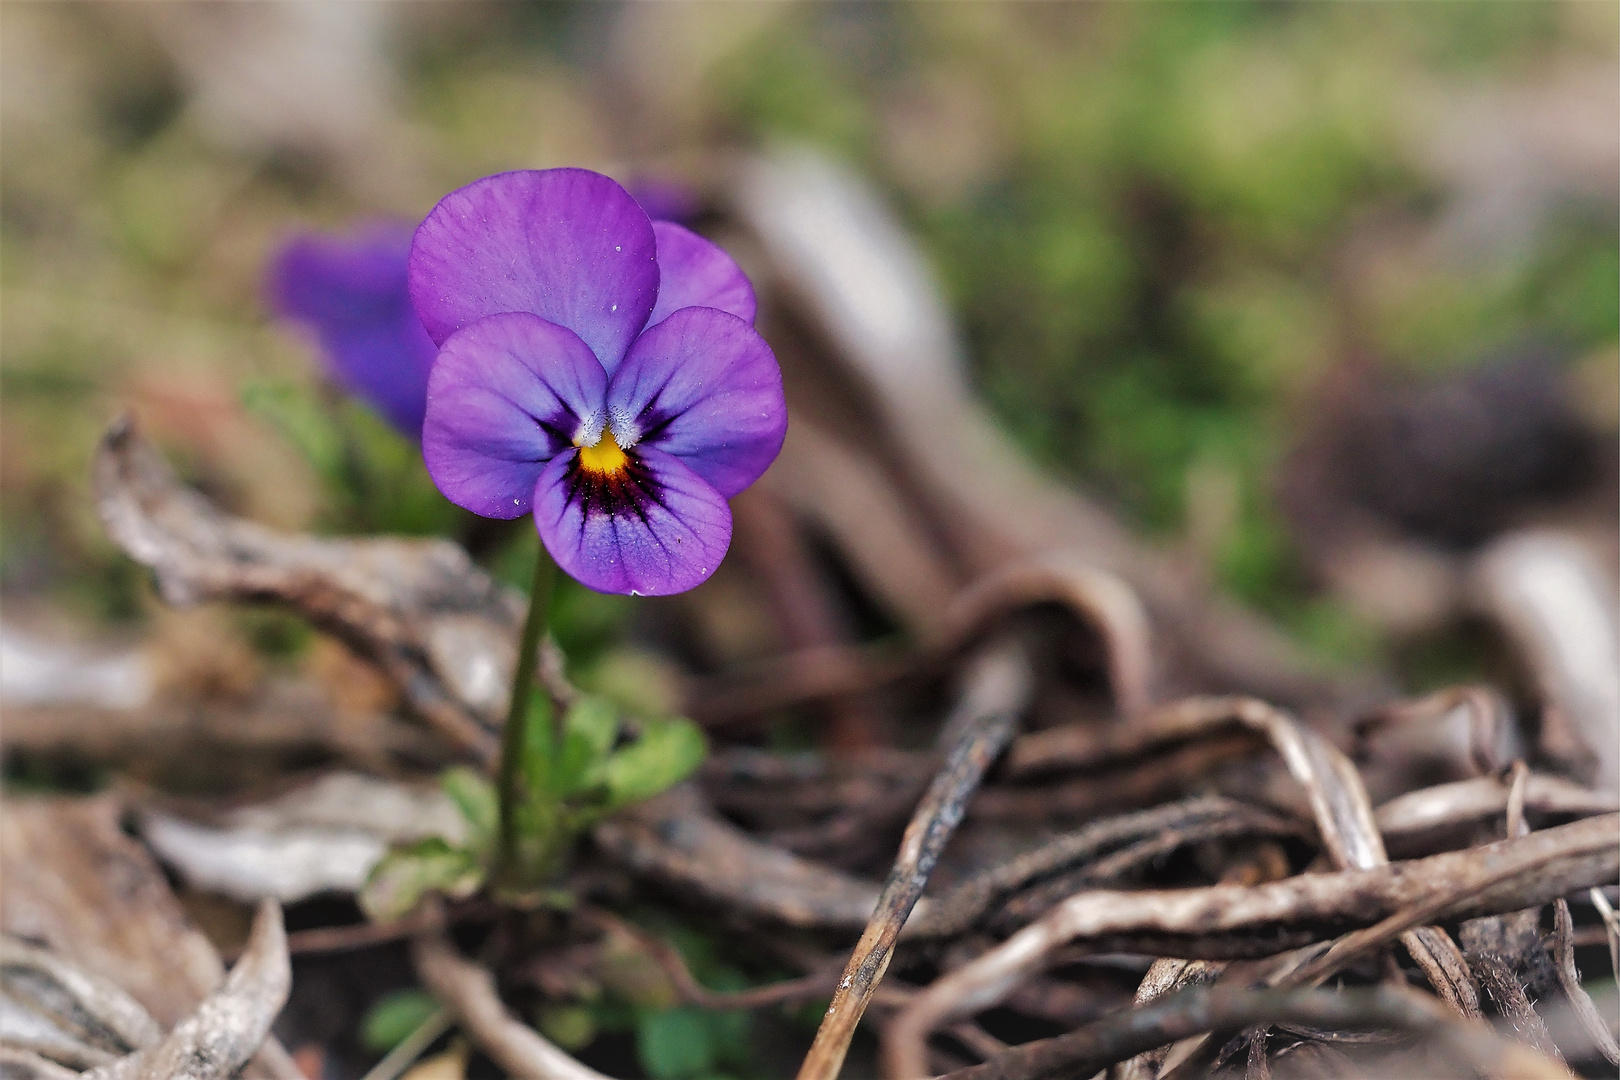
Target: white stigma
589,432
626,432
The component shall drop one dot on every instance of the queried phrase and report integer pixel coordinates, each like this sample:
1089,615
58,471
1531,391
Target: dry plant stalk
997,690
1227,922
1191,1012
231,1024
468,991
439,627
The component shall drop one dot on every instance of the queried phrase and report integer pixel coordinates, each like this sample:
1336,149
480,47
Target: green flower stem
514,738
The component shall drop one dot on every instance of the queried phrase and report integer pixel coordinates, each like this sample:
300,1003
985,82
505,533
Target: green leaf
474,796
300,417
589,731
405,875
571,1027
674,1044
394,1017
537,749
666,754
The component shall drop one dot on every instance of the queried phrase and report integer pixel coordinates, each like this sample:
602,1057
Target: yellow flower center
605,457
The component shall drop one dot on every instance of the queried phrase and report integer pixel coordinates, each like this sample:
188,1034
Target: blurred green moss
1144,223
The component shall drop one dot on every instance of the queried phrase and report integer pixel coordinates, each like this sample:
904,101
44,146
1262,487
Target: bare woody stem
514,737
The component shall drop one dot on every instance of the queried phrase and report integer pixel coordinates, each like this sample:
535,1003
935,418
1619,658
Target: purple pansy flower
596,369
351,291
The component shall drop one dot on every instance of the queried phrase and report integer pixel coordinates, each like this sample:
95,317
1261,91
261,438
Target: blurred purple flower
665,200
351,293
597,369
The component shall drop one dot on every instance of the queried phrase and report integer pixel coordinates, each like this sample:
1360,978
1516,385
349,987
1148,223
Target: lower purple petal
694,272
651,529
507,394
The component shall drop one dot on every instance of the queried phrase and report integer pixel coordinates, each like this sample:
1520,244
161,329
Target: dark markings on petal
629,491
653,421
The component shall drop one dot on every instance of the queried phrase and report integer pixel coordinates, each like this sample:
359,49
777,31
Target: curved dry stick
1338,801
231,1024
1251,823
1552,596
677,839
52,984
1465,801
1570,979
1187,1013
1611,928
27,1065
998,685
440,627
1493,734
468,991
1230,922
959,909
1344,817
1098,598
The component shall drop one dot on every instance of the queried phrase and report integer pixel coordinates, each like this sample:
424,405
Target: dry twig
468,991
1226,922
1190,1012
997,690
676,839
230,1025
1564,955
959,909
437,625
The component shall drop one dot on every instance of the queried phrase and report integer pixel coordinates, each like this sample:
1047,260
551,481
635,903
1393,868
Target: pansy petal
351,293
694,272
507,394
704,386
651,529
568,245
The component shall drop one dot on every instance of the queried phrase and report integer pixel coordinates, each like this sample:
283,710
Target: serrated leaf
474,796
405,875
667,753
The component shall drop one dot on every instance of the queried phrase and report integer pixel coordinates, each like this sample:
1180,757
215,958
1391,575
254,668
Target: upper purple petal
694,272
702,385
352,293
568,245
507,394
653,529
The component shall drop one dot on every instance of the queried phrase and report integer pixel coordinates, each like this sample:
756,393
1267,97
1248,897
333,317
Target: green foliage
475,798
394,1017
569,1026
407,874
570,784
583,622
667,752
275,634
374,477
687,1043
